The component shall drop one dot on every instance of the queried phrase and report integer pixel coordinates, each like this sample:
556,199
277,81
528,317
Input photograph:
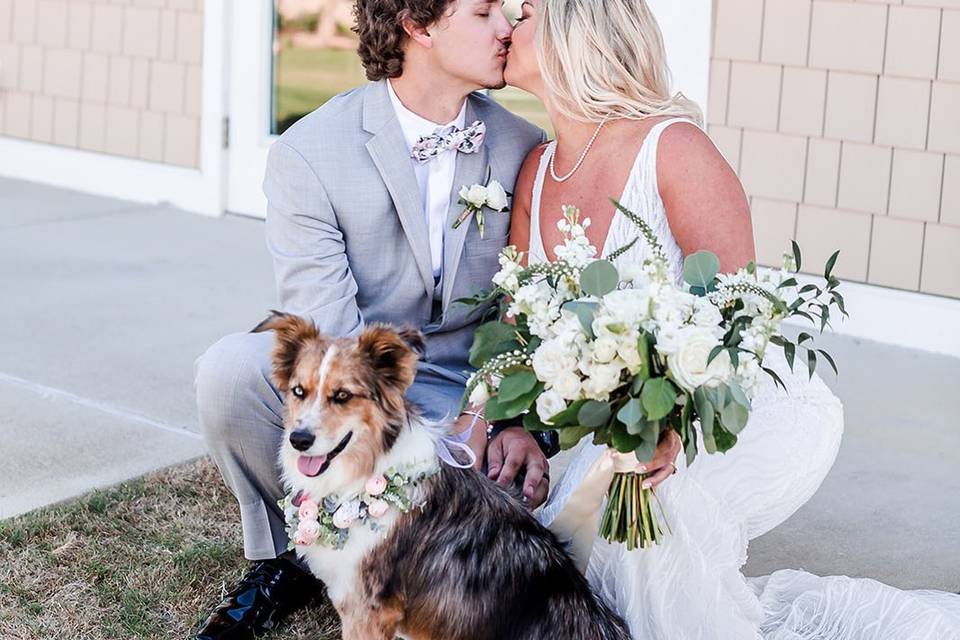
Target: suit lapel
471,169
388,149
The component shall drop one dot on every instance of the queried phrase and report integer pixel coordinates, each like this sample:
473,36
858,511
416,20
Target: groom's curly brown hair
379,24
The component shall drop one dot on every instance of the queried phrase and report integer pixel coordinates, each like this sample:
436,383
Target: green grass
306,78
146,559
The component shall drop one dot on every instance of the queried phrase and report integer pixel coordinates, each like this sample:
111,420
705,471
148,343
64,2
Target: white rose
605,349
669,340
629,353
476,195
688,365
480,394
551,359
603,378
549,404
496,196
567,384
705,314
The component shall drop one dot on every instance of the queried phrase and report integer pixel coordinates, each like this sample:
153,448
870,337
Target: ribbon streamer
449,445
579,520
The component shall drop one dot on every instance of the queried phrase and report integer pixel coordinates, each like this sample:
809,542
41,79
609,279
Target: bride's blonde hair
604,59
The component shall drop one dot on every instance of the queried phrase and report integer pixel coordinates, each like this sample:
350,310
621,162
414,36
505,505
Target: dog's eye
342,396
298,391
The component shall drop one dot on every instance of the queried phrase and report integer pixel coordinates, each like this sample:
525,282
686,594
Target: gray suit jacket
346,228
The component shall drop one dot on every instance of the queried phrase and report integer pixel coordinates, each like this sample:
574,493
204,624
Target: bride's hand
662,466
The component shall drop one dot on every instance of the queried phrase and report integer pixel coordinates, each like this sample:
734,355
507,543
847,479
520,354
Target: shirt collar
414,126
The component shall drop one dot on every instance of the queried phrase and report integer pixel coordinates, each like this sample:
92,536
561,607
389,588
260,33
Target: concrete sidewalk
107,304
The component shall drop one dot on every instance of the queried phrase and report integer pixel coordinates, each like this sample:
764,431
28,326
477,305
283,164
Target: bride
599,67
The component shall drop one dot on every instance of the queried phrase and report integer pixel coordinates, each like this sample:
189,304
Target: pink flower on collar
376,485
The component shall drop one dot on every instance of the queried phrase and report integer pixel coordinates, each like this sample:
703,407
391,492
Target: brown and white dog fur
472,563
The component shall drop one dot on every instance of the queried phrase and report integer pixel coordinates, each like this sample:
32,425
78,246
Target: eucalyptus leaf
723,439
643,348
658,396
734,417
738,395
700,269
516,384
568,416
645,451
532,422
594,413
491,339
585,312
630,413
571,436
637,427
499,409
690,447
625,442
599,278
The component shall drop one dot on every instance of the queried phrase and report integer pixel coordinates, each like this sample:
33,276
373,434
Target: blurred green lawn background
306,78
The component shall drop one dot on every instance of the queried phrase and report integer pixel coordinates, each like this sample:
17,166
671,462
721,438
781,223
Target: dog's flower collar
327,521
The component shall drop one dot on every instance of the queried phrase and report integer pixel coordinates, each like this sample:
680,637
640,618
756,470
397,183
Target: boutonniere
477,197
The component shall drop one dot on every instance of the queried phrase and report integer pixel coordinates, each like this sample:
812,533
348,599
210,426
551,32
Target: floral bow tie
464,140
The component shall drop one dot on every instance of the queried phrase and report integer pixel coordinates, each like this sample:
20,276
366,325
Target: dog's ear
392,354
414,340
292,333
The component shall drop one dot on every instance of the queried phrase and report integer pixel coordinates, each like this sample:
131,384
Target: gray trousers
241,417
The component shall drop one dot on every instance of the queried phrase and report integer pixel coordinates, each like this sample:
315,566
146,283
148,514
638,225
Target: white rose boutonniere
476,197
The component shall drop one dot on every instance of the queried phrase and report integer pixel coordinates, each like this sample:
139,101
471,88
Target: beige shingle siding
121,78
842,118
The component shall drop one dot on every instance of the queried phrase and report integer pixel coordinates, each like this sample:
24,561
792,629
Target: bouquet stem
629,516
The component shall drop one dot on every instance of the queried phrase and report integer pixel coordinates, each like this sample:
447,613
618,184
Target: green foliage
658,397
599,278
594,413
700,270
492,339
516,385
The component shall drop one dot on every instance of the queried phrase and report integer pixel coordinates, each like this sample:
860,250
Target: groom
362,200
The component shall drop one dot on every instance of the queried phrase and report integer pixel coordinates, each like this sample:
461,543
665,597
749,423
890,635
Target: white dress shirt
435,178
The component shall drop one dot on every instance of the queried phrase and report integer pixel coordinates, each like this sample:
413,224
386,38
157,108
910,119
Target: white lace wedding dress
690,586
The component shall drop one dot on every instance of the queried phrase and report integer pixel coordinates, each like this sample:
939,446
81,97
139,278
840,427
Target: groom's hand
512,450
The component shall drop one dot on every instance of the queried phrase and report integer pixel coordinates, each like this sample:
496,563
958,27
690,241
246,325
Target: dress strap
536,242
648,157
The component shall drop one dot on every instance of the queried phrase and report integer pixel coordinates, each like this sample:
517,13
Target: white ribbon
579,520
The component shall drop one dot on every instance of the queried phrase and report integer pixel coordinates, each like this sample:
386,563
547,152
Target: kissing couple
371,220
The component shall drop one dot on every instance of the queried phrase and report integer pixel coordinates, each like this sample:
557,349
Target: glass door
287,58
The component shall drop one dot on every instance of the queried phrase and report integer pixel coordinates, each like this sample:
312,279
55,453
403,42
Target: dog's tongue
310,465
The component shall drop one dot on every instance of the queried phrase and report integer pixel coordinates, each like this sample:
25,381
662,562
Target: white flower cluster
578,363
478,196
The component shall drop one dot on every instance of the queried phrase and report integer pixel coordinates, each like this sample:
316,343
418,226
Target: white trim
200,190
250,100
903,318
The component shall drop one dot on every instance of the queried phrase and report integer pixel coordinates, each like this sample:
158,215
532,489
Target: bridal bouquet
624,354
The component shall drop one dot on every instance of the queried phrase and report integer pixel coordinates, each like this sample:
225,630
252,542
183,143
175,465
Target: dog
456,557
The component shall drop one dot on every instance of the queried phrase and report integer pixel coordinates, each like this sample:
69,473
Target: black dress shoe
270,591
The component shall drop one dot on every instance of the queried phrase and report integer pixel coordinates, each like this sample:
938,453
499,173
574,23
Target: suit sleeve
304,238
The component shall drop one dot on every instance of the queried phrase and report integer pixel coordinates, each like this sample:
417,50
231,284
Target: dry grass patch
146,559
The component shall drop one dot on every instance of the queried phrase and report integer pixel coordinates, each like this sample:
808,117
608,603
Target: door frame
249,101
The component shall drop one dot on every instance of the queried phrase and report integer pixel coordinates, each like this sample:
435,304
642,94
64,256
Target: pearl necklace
553,158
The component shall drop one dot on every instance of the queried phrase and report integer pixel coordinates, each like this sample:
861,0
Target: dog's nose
302,440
